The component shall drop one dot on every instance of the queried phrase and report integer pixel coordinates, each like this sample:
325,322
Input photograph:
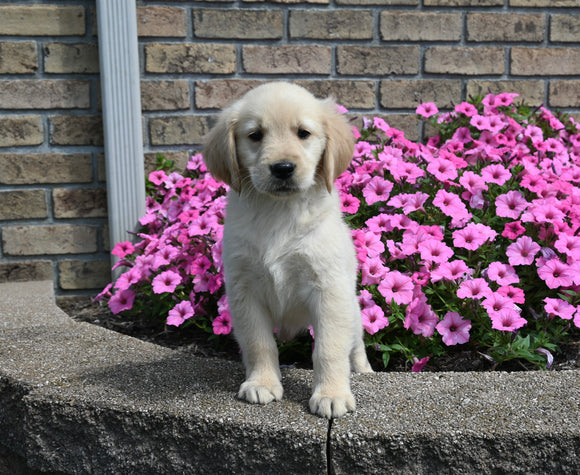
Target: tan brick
218,93
50,239
505,27
178,130
161,21
23,204
238,24
44,94
21,169
76,130
529,90
165,95
79,203
544,3
24,271
288,2
545,61
190,58
377,60
18,57
564,93
420,26
565,28
80,275
462,3
42,20
304,59
78,58
409,93
385,3
464,60
355,94
17,131
332,25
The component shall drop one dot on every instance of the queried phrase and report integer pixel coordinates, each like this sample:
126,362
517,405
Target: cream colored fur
288,256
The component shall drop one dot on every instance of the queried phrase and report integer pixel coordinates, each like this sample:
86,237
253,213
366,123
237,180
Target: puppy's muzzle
282,170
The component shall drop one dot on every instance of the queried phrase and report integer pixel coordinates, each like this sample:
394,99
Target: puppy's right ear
219,151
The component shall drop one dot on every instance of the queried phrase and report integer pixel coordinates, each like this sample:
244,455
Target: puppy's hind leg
254,333
358,356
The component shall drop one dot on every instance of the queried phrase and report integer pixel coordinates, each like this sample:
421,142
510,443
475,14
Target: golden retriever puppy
289,260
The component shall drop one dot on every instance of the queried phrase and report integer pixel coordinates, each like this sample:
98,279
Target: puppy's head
280,140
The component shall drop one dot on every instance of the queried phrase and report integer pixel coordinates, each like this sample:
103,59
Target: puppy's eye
256,136
303,134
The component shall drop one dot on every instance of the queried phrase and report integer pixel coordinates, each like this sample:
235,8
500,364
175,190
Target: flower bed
469,240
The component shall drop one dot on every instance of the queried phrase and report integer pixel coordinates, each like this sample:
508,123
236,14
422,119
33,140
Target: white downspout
122,122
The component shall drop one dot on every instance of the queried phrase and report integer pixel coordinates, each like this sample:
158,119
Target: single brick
529,90
463,3
42,20
80,275
23,204
178,130
471,61
17,131
78,58
24,271
79,203
288,2
385,3
218,93
332,25
190,58
238,24
18,57
164,95
545,3
303,59
545,61
409,93
564,93
565,28
377,60
76,130
350,94
420,26
44,94
25,169
51,239
505,27
162,21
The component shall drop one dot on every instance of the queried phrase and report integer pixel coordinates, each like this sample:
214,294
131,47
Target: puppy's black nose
282,170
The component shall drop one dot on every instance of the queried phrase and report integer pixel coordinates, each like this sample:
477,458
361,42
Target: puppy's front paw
331,406
256,393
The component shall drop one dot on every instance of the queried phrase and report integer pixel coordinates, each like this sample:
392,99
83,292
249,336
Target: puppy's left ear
339,145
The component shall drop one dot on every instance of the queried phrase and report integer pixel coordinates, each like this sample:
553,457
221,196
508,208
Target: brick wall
375,56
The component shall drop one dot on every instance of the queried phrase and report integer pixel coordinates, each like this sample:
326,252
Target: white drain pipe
121,99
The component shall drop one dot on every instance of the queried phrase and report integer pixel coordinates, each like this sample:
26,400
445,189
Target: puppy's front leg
254,333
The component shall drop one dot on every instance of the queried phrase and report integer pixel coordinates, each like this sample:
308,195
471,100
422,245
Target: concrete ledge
76,398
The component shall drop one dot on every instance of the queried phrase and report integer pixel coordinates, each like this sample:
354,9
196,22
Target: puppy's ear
219,151
339,145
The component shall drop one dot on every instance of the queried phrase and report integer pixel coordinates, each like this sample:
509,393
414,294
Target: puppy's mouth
281,188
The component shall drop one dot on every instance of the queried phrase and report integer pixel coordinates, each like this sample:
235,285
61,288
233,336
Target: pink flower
123,249
396,286
502,273
122,300
166,282
472,236
452,270
372,271
377,189
409,202
513,230
127,279
451,205
515,294
497,174
559,308
181,312
222,324
556,274
348,203
479,122
435,251
420,317
373,319
569,245
419,364
496,302
427,109
507,320
443,169
454,329
522,252
510,204
466,108
158,177
474,289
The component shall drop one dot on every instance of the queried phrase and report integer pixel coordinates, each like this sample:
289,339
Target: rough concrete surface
76,398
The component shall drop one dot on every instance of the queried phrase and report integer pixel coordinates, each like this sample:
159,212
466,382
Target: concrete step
76,398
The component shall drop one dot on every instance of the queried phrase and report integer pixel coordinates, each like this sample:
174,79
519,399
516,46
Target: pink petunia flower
495,302
427,109
396,286
559,308
510,204
473,236
372,271
502,273
515,294
373,319
556,273
568,244
348,203
222,324
513,230
121,301
442,169
452,270
496,173
507,320
376,190
451,205
454,329
123,249
466,108
522,252
419,364
181,312
166,282
474,289
420,318
433,250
